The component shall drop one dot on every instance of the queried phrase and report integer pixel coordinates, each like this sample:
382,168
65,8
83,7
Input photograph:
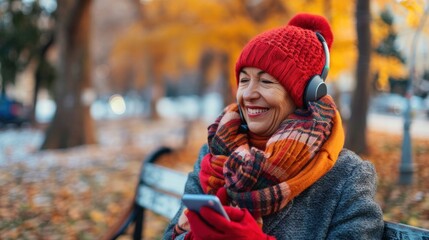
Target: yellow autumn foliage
388,67
177,32
413,6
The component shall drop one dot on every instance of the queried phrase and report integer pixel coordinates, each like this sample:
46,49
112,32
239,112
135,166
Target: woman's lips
255,111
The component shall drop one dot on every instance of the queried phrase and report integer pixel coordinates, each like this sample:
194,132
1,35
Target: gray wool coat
340,205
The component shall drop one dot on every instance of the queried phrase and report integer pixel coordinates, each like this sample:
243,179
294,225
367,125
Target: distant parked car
395,104
12,112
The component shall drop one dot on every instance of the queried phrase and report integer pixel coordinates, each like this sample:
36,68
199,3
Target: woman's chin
255,129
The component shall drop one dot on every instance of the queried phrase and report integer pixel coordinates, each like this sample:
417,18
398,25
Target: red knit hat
292,54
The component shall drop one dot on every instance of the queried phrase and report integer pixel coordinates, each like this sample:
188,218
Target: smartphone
195,201
243,126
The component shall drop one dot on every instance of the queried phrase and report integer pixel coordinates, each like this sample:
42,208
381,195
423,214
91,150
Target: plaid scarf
305,147
296,156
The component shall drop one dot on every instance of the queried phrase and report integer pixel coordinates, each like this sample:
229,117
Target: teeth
256,111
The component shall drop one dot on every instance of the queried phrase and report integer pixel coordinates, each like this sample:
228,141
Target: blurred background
90,87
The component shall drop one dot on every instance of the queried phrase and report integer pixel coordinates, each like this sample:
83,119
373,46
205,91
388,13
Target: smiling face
263,101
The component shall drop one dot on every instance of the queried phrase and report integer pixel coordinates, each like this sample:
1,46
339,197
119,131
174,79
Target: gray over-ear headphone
316,87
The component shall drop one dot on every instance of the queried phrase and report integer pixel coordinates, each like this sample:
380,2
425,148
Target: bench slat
402,231
164,178
158,202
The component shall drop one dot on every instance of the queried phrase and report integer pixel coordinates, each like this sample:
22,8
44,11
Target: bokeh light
117,104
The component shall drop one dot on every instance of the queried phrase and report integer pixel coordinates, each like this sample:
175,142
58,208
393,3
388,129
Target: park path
395,125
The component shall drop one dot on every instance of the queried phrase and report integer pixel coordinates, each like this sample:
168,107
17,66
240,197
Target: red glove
211,225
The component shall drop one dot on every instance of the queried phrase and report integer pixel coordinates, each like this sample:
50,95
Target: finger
234,213
199,226
194,219
219,222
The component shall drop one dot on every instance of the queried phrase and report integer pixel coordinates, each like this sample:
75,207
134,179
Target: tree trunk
156,84
37,83
227,93
206,61
38,76
356,130
72,124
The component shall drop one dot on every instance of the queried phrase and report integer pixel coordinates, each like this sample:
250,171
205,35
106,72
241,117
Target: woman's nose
251,91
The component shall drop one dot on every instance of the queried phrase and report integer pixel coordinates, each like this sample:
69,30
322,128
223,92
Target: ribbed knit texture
292,54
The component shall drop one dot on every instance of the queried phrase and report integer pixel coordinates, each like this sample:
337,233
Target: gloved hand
211,225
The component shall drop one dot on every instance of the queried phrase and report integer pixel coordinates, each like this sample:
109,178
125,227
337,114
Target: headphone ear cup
316,89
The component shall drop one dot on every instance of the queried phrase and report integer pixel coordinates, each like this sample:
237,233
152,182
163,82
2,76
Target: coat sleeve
357,215
192,186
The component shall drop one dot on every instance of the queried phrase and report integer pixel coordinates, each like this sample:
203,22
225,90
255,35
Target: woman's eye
244,80
266,81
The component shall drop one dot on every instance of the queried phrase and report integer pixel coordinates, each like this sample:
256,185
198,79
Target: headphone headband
316,87
325,70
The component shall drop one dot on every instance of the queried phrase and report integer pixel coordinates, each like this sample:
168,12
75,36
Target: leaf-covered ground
405,204
79,193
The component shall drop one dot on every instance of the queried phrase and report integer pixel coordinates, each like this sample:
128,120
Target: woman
276,157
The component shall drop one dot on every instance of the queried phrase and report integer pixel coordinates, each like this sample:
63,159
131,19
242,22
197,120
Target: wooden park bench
393,231
160,189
